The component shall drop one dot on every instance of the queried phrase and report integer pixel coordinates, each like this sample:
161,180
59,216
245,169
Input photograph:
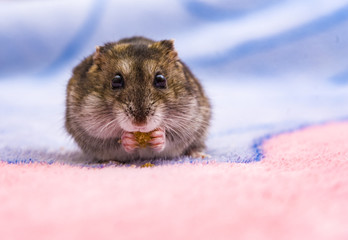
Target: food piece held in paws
142,138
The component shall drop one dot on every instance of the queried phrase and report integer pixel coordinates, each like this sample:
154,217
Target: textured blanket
277,75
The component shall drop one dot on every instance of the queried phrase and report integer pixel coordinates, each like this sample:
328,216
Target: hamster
136,85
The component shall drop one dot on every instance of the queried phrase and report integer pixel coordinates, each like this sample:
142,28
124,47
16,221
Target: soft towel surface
298,191
270,68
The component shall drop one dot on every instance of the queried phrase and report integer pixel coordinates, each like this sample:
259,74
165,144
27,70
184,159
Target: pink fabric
298,191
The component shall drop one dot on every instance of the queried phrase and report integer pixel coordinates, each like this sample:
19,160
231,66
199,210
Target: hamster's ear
165,46
98,50
96,59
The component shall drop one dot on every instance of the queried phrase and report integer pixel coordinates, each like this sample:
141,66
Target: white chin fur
129,127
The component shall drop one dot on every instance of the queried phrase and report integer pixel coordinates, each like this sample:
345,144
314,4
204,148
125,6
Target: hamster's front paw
129,142
158,140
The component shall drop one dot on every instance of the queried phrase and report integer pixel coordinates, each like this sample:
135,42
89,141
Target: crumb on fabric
148,164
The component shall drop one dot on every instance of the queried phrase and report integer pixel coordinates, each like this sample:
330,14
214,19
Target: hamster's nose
139,112
140,118
139,122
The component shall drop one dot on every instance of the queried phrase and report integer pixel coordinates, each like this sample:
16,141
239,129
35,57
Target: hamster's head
134,87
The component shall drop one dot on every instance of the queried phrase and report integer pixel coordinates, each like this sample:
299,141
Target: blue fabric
268,66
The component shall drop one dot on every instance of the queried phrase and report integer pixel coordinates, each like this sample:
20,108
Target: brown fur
93,107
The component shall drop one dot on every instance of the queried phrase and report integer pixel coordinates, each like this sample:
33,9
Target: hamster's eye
160,81
117,82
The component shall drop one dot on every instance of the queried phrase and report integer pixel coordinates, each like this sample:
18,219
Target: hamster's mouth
143,128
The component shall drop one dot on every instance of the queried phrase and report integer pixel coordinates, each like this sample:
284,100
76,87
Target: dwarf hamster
136,85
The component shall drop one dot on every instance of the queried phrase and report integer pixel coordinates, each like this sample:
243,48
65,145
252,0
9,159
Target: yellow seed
142,138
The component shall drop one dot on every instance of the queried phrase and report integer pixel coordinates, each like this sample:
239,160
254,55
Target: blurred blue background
262,38
267,65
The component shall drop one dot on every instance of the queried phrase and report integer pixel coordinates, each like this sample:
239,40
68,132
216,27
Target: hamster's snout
141,119
139,115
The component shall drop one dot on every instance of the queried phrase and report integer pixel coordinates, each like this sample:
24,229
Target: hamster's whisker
182,118
107,125
180,129
177,130
181,121
174,133
189,119
155,100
